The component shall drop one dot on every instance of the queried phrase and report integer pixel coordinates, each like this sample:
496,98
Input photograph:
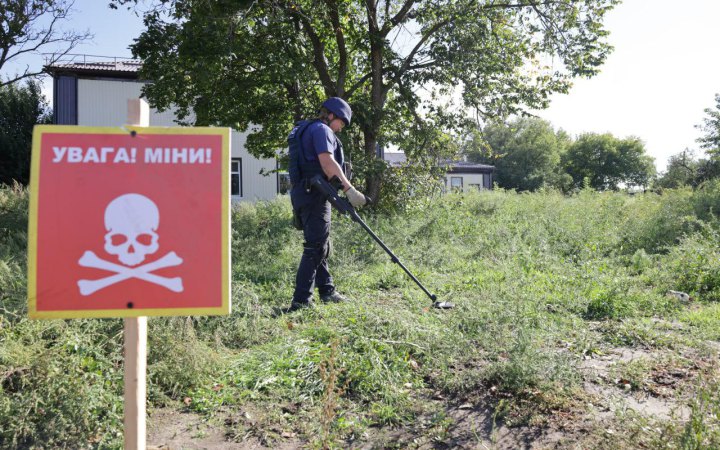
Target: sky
663,72
662,75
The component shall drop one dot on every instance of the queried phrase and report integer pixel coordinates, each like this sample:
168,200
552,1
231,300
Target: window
236,177
476,186
456,183
284,184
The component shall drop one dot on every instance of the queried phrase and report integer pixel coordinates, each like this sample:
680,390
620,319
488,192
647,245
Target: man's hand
356,198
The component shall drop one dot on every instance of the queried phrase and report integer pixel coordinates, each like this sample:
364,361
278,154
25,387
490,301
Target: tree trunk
377,97
374,179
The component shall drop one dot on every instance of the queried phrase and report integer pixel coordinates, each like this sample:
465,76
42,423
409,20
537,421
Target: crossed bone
90,259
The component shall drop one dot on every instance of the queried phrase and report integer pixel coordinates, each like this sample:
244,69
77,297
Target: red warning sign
129,222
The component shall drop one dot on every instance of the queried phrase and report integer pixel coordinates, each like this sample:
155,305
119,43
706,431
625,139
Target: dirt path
653,384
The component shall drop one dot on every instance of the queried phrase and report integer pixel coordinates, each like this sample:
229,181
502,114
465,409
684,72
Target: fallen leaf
625,384
217,386
187,401
466,406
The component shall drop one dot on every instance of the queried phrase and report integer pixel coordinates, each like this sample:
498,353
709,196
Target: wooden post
135,383
136,338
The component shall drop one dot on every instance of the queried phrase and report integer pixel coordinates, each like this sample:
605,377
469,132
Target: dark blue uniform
313,210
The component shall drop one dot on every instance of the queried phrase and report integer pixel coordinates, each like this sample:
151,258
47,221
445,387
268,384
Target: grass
541,282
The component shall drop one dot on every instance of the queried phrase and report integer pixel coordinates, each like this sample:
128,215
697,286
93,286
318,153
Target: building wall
469,179
104,103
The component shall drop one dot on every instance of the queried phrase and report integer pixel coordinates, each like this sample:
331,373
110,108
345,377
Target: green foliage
684,169
703,428
661,221
525,366
707,200
540,281
180,362
273,64
410,186
526,154
21,107
681,171
14,202
619,301
608,161
694,265
711,127
60,388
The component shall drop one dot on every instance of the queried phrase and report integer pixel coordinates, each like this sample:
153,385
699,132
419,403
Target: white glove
356,198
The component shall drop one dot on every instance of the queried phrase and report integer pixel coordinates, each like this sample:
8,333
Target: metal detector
330,189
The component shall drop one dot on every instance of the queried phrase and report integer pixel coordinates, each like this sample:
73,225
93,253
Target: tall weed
540,281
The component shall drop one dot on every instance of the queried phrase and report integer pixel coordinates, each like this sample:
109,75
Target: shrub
177,360
707,201
694,266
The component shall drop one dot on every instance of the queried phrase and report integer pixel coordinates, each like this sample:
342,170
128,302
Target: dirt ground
658,392
471,428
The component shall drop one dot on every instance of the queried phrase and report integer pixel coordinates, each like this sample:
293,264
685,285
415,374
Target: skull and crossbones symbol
131,222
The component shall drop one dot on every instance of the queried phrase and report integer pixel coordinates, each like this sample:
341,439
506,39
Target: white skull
131,221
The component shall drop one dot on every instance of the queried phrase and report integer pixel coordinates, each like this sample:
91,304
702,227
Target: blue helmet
340,108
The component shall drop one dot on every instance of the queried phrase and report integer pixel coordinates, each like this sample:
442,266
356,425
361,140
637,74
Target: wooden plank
135,329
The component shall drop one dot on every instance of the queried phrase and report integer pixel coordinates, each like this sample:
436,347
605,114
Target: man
315,149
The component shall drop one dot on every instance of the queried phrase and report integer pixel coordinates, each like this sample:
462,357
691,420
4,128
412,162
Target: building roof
92,65
395,158
468,167
398,158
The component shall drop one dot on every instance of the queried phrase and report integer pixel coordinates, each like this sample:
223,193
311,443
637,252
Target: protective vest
300,167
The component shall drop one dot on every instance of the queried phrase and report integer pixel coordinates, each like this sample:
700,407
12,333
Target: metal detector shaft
355,217
342,205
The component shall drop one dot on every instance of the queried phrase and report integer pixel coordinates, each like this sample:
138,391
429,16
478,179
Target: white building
92,93
461,175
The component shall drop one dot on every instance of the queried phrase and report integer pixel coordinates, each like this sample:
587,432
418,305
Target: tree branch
411,56
548,23
357,84
319,60
21,37
407,62
342,49
398,18
424,65
371,6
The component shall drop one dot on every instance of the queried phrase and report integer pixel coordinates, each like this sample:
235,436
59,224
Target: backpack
300,167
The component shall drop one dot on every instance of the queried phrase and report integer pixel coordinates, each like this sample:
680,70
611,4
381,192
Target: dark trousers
315,215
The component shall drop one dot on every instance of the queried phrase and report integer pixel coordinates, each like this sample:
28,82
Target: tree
29,26
711,127
274,63
21,107
526,153
682,170
608,162
708,169
685,170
